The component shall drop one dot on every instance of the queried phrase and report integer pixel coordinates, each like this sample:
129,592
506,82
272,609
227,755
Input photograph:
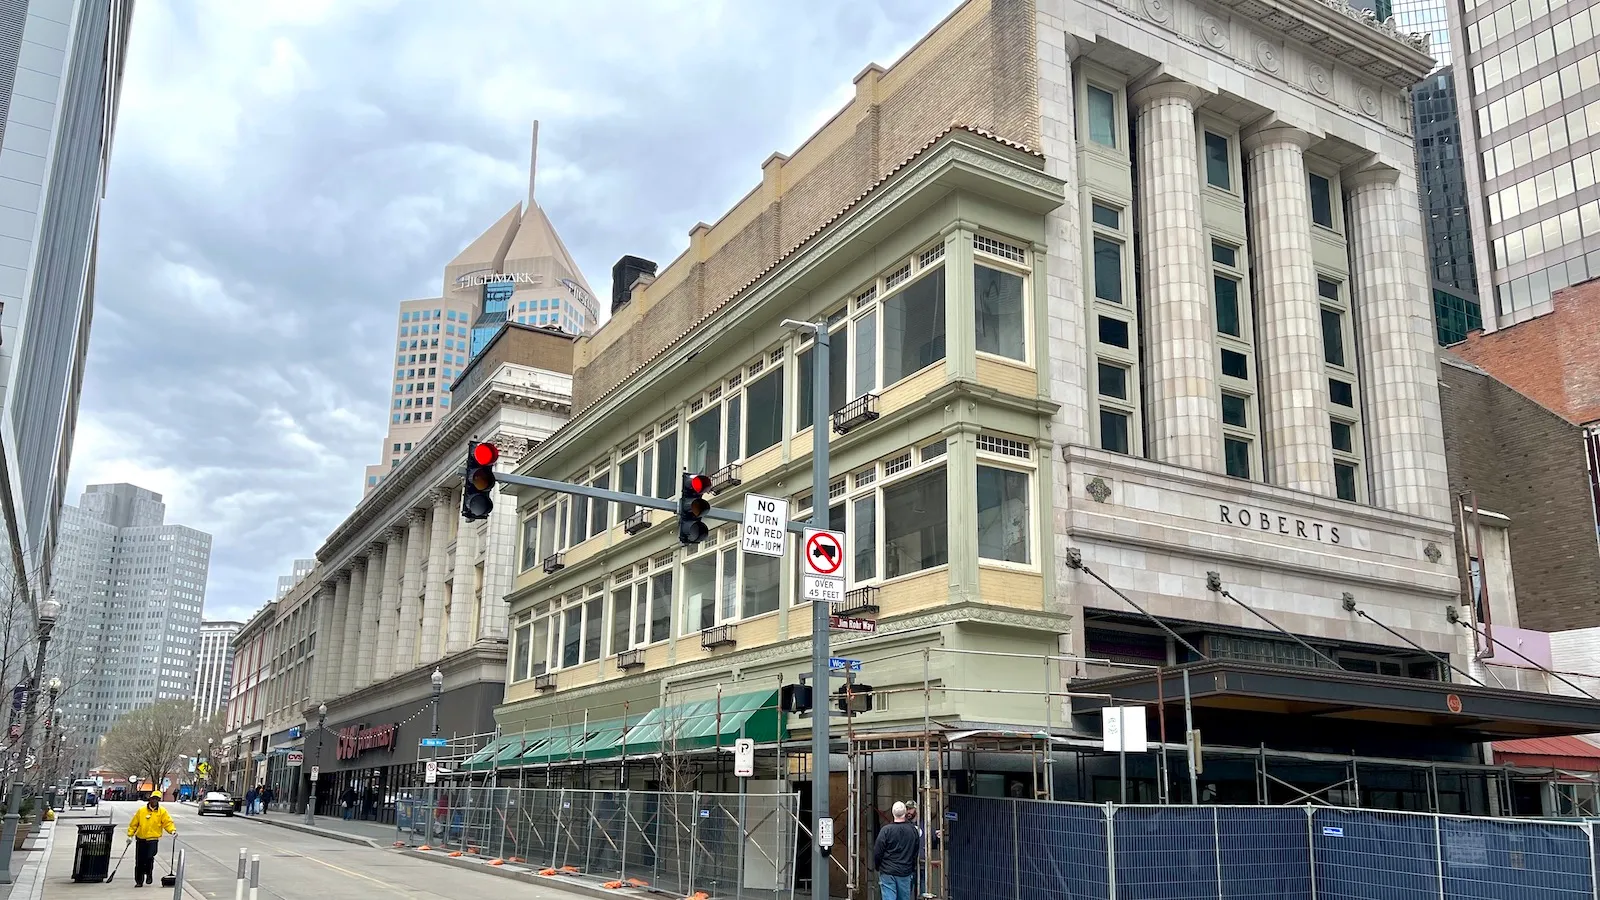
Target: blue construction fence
998,848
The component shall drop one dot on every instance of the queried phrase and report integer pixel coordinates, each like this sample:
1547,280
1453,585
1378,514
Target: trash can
91,861
238,804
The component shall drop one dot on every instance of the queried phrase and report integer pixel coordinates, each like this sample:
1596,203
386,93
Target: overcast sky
285,172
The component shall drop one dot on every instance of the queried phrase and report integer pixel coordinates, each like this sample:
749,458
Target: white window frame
1126,358
721,546
992,453
1021,268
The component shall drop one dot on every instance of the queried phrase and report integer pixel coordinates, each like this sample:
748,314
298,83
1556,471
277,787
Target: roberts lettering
1277,523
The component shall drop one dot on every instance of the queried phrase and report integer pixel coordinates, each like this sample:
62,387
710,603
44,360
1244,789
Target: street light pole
438,685
48,611
311,808
54,688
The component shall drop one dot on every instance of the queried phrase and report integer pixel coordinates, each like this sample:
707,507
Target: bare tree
146,743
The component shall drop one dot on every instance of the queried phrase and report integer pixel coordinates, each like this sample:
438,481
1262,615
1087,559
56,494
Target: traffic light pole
820,717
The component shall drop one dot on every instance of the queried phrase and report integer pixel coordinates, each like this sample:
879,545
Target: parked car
217,802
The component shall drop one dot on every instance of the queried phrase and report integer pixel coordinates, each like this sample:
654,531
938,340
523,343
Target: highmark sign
489,276
355,740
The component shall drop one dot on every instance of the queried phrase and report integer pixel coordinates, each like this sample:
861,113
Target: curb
39,871
526,876
328,833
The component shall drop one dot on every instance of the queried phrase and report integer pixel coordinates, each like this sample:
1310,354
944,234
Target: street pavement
294,866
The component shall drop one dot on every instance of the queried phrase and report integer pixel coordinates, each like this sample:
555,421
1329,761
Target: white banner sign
1123,729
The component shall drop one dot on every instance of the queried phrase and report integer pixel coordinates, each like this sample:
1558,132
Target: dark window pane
1343,436
1321,201
1235,411
1328,289
1217,173
1102,116
1106,215
1227,291
1113,332
916,520
1344,481
1113,431
1113,381
1108,270
1235,364
1223,255
1332,337
1341,392
764,425
997,307
1236,453
913,328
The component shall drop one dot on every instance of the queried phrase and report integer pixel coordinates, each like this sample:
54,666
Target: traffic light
795,698
855,698
477,498
691,506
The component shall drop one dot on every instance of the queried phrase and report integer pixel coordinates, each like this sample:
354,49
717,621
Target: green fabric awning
677,728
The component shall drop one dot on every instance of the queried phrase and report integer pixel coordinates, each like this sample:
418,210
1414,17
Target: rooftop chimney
623,275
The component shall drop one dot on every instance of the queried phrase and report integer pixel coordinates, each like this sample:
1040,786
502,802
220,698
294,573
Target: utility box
91,860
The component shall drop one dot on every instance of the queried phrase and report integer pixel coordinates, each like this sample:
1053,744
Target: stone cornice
415,475
1352,36
958,159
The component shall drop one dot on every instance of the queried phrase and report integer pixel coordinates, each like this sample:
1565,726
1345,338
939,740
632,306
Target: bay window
641,605
894,515
916,523
913,323
723,584
566,632
738,417
838,371
1000,320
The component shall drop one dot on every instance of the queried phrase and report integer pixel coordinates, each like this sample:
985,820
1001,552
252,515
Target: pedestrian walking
149,821
267,796
347,803
250,798
894,855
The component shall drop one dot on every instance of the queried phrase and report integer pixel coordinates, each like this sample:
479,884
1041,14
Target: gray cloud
284,173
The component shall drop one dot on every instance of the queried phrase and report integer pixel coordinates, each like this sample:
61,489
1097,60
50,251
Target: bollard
255,877
238,884
177,888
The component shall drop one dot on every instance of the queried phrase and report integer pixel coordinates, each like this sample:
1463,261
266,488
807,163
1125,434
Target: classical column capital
416,515
1274,131
394,533
1165,87
1372,176
342,575
441,496
376,548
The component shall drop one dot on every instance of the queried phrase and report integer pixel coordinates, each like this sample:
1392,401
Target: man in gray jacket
894,855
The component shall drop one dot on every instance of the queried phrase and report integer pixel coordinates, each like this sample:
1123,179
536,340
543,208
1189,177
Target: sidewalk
58,883
28,864
369,834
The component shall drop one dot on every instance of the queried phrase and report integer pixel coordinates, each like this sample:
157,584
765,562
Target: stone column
433,592
1292,379
460,634
394,559
330,637
1399,368
371,615
1180,320
350,635
410,621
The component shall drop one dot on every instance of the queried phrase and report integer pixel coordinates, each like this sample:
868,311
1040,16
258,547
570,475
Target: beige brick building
1121,291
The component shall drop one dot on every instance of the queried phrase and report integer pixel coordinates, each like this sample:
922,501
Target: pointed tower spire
533,162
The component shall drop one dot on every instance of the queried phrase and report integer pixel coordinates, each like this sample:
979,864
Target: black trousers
144,860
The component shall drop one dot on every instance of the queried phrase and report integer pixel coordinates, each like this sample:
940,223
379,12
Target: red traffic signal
697,484
691,506
477,495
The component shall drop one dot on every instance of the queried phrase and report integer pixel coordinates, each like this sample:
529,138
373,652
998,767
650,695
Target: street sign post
766,522
435,742
315,771
430,771
819,589
841,664
824,553
744,758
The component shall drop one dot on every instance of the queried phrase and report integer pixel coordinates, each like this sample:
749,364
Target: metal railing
1036,848
725,845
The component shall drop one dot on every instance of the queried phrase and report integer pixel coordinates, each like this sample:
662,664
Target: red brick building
1522,430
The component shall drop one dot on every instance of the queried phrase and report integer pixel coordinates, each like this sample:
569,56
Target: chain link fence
1027,848
725,845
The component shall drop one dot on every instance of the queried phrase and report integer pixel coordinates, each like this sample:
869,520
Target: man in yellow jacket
148,823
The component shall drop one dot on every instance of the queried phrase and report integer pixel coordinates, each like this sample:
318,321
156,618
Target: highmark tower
516,271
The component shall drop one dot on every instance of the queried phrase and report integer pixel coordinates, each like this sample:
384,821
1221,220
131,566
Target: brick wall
1551,358
978,67
1528,463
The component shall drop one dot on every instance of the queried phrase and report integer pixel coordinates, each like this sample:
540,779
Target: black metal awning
1465,711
